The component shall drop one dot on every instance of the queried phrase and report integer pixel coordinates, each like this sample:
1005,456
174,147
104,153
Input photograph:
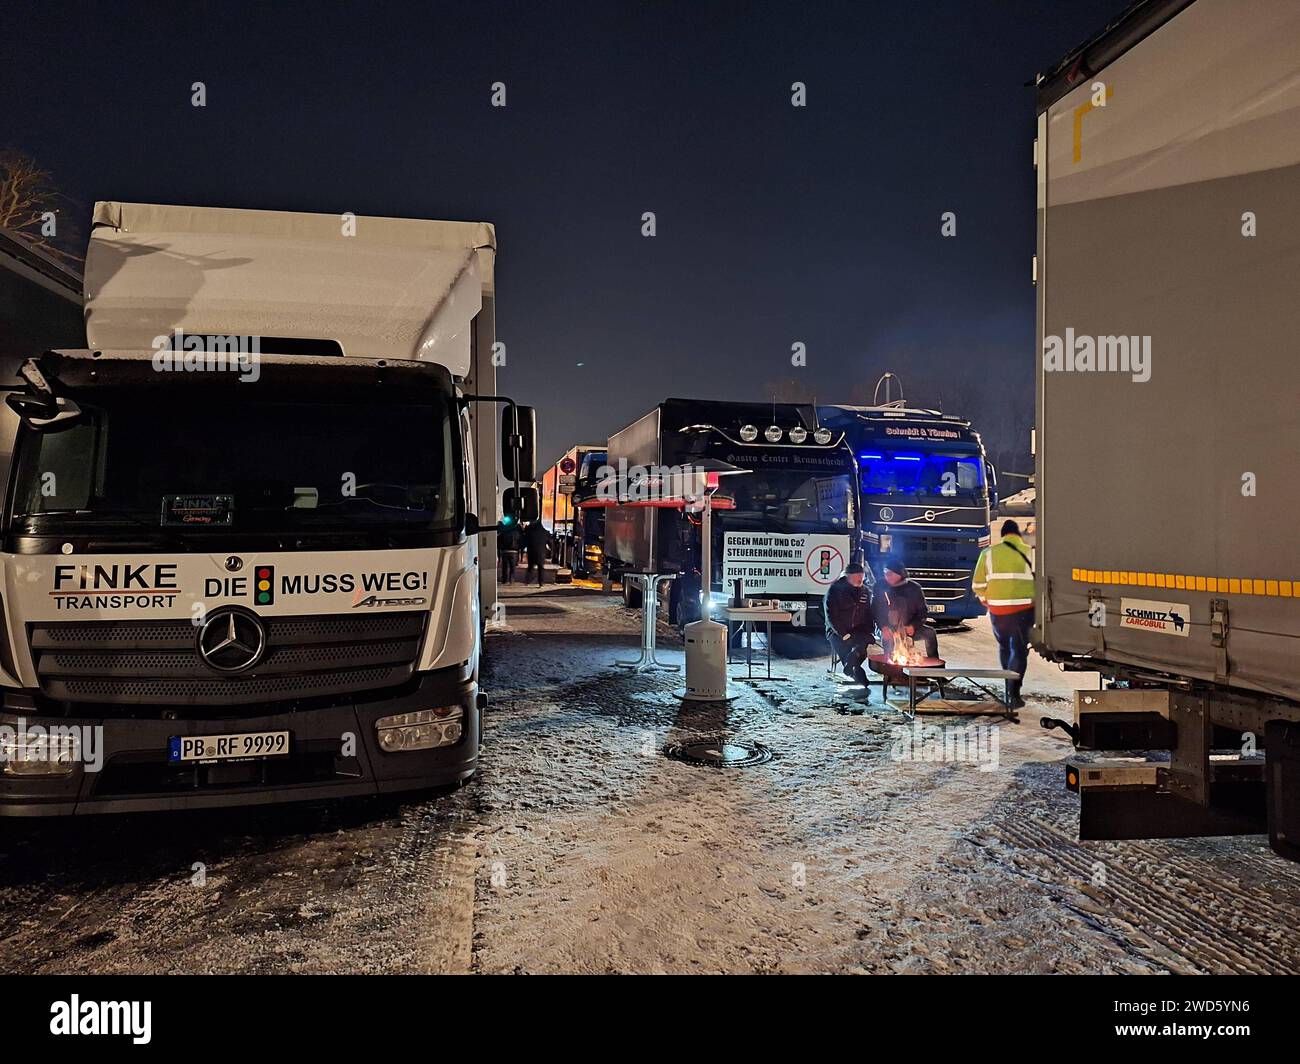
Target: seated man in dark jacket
899,609
848,622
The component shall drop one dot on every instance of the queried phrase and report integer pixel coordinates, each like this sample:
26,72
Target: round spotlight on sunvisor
798,434
772,434
748,433
822,436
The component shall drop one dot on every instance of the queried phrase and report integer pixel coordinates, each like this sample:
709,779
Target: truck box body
630,531
1168,219
270,551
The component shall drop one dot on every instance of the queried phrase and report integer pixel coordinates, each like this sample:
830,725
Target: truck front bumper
334,752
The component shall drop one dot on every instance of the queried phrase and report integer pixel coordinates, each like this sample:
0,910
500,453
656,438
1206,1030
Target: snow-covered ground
580,847
834,856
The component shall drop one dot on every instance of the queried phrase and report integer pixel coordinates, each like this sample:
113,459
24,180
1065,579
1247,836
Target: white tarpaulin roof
398,288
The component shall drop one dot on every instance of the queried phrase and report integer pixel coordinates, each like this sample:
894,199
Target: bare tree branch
27,196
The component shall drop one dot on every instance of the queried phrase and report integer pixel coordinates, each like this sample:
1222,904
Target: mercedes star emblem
232,640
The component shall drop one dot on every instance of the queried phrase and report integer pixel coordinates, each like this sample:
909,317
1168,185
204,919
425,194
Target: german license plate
938,607
238,747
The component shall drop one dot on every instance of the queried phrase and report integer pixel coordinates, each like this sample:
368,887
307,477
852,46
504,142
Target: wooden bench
940,676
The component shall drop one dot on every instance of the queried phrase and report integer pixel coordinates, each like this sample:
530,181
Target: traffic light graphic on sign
264,585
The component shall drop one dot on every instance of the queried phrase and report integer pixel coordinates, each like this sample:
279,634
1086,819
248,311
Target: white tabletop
755,613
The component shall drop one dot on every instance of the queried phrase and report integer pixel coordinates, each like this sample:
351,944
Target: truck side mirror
44,413
519,506
519,443
993,486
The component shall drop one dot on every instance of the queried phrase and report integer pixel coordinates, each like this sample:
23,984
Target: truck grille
942,585
158,663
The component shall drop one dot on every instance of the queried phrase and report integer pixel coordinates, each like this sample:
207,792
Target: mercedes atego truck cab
241,529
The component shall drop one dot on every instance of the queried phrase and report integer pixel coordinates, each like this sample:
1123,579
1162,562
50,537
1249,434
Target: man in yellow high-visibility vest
1004,582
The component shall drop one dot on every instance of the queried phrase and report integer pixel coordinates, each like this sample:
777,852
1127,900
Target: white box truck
1168,414
241,528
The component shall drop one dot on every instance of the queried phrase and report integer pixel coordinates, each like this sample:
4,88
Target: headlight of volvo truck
424,729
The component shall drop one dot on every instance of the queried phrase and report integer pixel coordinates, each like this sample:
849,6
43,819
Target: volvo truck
926,489
1168,427
785,513
241,557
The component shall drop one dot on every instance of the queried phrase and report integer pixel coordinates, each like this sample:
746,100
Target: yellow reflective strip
1174,581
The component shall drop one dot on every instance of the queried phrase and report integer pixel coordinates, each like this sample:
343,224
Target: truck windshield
281,465
789,500
921,473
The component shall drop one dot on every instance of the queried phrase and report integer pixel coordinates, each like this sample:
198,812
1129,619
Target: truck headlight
424,729
37,753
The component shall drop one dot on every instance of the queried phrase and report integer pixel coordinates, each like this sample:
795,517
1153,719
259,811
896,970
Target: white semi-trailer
1168,419
241,528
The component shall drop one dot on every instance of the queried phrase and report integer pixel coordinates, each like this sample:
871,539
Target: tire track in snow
1165,914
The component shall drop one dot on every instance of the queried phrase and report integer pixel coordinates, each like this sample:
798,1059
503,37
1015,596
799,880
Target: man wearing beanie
1004,581
899,608
847,627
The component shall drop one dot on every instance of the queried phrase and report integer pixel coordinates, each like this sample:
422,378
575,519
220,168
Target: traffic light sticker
264,585
823,562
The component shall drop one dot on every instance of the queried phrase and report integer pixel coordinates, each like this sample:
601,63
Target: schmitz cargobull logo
1172,618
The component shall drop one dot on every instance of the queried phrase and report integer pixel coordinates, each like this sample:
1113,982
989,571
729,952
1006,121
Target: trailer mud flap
1282,743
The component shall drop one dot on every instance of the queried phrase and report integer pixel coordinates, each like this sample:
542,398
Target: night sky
776,224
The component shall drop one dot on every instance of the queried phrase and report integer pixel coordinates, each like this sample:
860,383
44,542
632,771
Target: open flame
902,649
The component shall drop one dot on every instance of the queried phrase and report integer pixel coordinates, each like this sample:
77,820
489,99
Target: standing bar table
649,585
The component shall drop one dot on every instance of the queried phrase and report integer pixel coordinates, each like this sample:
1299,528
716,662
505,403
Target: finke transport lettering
115,586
